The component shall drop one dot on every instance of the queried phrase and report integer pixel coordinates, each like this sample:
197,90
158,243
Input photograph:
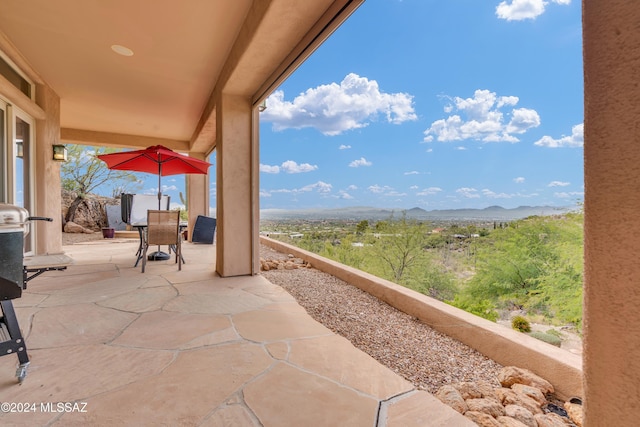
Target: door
22,152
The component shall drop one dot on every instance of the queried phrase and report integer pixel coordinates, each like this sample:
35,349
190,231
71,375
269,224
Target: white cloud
413,187
569,194
493,195
320,187
395,194
269,169
344,195
461,148
360,162
576,139
469,193
412,173
378,189
518,180
385,191
344,147
335,108
292,167
429,191
165,189
518,10
558,184
483,119
288,166
352,187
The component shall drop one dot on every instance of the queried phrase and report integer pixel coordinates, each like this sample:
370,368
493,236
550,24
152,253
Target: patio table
142,233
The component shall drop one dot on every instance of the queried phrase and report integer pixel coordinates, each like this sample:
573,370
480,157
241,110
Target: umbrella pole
159,255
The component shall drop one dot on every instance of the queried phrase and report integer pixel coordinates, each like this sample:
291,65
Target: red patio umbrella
157,160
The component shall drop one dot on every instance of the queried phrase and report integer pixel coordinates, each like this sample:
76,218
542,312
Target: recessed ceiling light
121,50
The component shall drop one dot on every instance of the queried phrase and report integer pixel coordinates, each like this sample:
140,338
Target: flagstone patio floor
110,346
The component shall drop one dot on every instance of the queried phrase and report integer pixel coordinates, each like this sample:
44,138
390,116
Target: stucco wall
612,211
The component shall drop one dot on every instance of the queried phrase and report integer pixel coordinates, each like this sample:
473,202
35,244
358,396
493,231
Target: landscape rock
521,414
450,396
521,405
530,391
510,422
90,211
510,375
550,420
488,406
575,412
278,264
468,390
510,397
482,419
72,227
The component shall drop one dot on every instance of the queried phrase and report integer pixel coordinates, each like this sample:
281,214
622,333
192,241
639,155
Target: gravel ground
421,355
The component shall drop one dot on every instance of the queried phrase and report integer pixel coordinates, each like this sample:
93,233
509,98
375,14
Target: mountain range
491,213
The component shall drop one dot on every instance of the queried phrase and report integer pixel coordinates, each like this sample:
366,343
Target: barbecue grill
14,226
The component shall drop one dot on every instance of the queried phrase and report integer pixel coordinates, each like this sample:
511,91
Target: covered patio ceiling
183,53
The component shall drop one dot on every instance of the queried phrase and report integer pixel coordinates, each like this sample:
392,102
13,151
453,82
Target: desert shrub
521,324
548,338
482,308
554,332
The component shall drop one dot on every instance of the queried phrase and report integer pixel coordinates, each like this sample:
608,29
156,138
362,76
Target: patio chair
163,228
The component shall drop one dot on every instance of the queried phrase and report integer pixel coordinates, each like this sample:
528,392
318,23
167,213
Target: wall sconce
19,149
59,153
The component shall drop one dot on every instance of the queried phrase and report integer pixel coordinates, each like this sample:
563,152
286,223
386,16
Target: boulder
550,420
482,419
450,396
488,406
89,212
469,390
523,404
274,264
72,227
532,392
510,375
575,412
509,422
511,397
521,414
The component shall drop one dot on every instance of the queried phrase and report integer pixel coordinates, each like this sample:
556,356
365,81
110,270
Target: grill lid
12,216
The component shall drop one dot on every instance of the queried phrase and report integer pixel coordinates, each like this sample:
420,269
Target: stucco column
48,200
612,212
237,183
197,193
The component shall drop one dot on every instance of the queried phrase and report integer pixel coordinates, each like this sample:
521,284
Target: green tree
430,278
362,227
535,264
399,247
345,252
83,173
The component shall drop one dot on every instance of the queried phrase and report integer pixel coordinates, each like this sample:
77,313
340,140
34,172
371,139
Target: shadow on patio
190,348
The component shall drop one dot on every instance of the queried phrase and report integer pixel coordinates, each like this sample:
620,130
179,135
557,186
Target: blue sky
432,103
438,104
